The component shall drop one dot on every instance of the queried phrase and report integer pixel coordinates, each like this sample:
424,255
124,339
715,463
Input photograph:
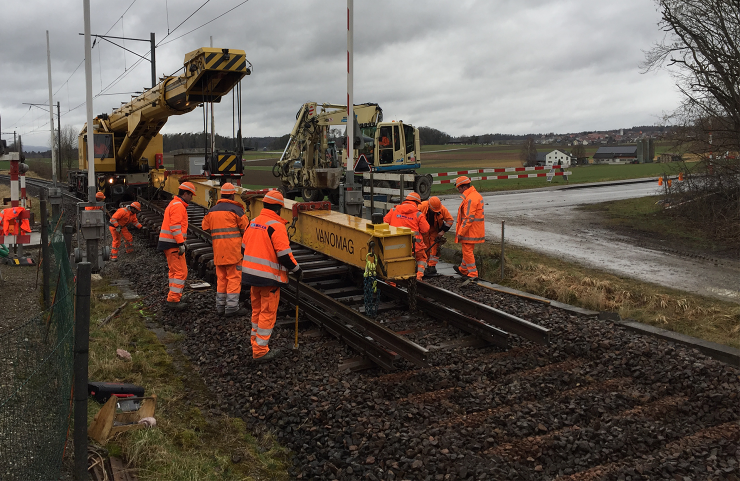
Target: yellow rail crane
128,144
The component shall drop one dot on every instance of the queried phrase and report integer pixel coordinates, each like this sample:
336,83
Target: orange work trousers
433,254
127,241
228,287
467,267
265,300
177,275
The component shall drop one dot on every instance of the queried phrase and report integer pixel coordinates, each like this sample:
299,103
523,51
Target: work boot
177,306
220,311
272,354
240,312
457,269
114,259
431,271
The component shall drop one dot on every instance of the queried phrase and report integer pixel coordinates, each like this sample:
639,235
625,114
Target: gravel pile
598,403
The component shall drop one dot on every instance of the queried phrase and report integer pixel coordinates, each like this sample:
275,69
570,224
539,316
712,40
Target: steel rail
508,322
473,326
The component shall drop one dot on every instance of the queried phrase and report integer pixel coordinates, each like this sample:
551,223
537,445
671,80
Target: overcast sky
463,66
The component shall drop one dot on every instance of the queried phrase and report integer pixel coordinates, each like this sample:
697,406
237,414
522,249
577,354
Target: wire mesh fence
36,361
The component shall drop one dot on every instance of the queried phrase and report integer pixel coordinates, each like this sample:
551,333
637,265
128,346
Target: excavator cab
396,147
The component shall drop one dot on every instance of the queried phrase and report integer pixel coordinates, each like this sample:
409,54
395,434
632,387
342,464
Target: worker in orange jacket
13,223
119,227
100,197
471,228
440,221
407,214
172,242
227,223
265,266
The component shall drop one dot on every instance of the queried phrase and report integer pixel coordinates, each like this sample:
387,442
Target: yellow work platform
340,236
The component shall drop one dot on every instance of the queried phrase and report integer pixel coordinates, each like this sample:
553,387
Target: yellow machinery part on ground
341,236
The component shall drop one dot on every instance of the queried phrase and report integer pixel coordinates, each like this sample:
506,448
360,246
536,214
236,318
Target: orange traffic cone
670,182
660,180
680,176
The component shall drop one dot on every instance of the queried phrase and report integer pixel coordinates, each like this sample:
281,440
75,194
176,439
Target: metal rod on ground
82,344
45,260
502,249
372,194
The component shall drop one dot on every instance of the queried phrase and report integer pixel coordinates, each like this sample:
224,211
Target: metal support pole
502,249
45,257
154,60
372,194
51,113
82,343
68,231
92,254
59,142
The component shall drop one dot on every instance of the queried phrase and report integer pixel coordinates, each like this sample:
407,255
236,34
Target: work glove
298,274
440,234
181,249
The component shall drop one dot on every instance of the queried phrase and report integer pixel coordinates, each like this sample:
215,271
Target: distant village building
616,155
558,157
555,157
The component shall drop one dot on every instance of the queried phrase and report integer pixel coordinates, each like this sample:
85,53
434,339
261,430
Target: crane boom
209,74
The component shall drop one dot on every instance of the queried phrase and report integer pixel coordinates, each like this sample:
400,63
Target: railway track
596,402
332,297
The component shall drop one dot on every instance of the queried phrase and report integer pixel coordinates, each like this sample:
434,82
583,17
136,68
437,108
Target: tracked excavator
312,167
127,141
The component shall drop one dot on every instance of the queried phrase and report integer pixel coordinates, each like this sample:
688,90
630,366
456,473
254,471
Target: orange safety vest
407,214
175,225
440,219
124,217
10,222
227,223
471,227
267,253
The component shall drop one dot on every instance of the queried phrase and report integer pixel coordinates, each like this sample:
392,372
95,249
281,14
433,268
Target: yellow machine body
340,236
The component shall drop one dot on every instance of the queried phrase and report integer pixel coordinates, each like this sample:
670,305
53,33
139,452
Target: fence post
502,249
45,258
82,343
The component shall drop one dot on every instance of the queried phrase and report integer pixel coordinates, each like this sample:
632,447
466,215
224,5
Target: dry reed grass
682,312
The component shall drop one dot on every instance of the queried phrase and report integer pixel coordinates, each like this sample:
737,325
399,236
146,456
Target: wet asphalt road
548,221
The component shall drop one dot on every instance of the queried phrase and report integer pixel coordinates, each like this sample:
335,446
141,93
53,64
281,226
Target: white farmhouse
556,156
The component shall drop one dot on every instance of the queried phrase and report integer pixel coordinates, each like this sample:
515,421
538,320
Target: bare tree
69,146
579,153
701,49
528,153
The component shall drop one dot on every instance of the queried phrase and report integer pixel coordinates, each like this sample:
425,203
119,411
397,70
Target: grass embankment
187,443
645,218
679,311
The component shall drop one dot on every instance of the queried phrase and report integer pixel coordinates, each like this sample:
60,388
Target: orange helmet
135,205
462,180
99,196
228,188
274,197
188,186
414,197
435,204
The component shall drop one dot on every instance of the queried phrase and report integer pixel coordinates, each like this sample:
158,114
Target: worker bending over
118,227
172,242
470,228
267,261
440,221
227,223
407,214
100,197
